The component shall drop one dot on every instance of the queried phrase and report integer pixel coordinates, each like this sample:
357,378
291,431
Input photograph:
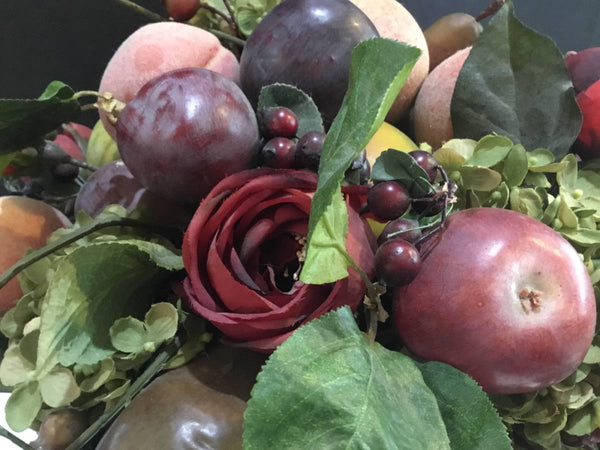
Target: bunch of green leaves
89,319
329,383
494,172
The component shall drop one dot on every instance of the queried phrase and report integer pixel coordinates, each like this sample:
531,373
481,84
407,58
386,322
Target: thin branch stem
150,15
62,242
233,19
159,362
222,15
14,439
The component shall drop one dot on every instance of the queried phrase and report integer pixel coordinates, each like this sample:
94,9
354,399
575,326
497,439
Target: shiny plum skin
185,131
501,297
306,43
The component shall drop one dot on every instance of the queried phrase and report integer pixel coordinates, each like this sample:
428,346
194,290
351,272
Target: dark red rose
241,252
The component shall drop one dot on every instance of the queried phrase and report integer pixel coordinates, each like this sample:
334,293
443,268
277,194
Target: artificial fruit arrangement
304,273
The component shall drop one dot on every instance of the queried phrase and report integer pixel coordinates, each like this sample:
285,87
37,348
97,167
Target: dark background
72,40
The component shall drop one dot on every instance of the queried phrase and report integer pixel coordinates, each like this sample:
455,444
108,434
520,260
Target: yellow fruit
387,137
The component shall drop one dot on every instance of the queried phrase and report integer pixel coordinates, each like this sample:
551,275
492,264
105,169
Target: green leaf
5,161
584,420
307,113
23,406
59,388
128,335
490,150
583,237
593,355
449,159
566,215
378,69
329,385
515,166
471,420
15,368
567,178
327,261
537,179
91,288
551,211
480,178
23,122
161,322
464,147
400,166
527,201
105,372
499,88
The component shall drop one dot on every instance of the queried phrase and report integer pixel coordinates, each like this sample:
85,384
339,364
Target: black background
72,40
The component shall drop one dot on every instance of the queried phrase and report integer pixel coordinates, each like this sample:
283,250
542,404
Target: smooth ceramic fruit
431,115
306,43
386,137
25,223
198,406
449,34
393,21
185,131
158,48
502,297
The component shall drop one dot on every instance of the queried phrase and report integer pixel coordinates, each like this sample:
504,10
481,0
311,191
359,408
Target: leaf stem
74,236
14,439
157,364
227,4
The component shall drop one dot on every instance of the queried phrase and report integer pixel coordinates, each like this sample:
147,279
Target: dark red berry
388,200
278,153
64,171
308,150
400,226
279,122
397,262
427,163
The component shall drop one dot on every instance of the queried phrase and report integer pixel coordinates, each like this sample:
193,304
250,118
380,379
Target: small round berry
388,200
64,171
308,150
397,262
278,153
279,122
427,163
400,226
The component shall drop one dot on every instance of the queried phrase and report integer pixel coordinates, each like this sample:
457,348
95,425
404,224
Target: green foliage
373,86
24,122
328,386
307,113
400,166
500,90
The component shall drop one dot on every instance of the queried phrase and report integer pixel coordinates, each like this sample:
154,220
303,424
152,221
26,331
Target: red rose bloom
243,251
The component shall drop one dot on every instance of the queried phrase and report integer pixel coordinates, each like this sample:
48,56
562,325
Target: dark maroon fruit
185,131
64,171
427,163
278,122
388,200
305,43
400,226
584,67
397,262
278,153
308,150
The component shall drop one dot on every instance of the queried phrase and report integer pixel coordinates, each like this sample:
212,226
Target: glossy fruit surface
306,43
584,67
397,262
196,407
449,34
185,131
278,122
60,428
279,153
386,137
308,150
388,200
427,163
181,9
501,297
405,229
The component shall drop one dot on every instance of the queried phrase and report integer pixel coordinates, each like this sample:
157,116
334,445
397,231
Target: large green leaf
328,386
378,70
22,122
91,288
515,83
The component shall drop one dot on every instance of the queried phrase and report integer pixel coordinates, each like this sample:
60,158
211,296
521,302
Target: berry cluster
397,260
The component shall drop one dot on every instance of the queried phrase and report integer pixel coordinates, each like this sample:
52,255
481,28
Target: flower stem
74,236
14,439
157,364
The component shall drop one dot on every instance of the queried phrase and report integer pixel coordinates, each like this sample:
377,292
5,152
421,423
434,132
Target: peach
158,48
449,34
431,114
24,223
393,21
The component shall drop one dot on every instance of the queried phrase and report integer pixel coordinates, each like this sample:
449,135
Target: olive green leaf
105,372
15,368
527,201
584,420
480,178
128,335
537,179
23,406
400,166
59,387
515,166
490,150
449,159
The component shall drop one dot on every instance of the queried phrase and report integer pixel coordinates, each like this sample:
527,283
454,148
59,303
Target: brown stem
233,19
491,9
222,15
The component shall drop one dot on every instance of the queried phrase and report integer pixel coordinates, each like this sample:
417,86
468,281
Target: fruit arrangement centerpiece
250,250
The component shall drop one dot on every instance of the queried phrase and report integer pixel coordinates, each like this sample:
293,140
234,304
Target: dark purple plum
185,131
306,43
114,184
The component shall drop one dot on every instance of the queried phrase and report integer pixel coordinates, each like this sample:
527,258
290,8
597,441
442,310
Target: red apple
501,297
